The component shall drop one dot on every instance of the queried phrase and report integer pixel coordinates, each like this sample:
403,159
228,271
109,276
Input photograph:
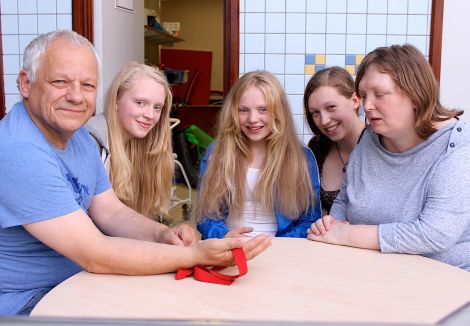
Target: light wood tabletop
296,280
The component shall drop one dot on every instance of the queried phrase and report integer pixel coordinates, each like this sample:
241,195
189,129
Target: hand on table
330,230
239,232
217,252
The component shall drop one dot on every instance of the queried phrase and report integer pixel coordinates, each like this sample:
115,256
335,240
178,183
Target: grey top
98,128
420,198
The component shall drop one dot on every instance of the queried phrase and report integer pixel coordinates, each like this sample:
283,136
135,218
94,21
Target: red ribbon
210,275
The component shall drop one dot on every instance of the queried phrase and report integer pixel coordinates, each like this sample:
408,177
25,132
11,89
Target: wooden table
294,280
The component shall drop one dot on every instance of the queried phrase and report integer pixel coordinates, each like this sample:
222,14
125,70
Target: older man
58,212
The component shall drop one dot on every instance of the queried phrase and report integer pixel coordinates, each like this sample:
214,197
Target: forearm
345,234
363,236
127,223
132,257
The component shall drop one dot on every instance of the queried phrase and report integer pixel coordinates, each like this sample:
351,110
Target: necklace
341,158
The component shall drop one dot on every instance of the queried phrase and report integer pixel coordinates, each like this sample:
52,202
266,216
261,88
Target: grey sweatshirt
420,198
98,128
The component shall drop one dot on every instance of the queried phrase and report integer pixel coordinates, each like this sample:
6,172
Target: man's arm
115,219
74,235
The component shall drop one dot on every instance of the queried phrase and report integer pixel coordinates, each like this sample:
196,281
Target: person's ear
24,84
356,101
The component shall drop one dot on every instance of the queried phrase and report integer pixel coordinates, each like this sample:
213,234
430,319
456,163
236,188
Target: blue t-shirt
39,182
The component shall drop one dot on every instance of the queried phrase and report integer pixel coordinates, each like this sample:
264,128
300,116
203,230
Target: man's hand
239,232
217,252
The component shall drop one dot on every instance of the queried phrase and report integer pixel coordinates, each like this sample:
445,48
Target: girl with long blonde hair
135,129
257,177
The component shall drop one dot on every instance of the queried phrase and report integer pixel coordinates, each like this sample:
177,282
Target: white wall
118,38
455,67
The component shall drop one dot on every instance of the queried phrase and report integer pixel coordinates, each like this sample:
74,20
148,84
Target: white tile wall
356,23
397,6
275,6
22,21
295,64
316,23
295,6
254,43
335,43
336,5
358,6
275,63
396,24
377,24
295,43
377,7
9,6
275,23
275,43
278,35
336,23
295,23
316,5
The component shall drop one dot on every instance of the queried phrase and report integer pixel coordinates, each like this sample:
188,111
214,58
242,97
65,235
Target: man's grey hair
37,47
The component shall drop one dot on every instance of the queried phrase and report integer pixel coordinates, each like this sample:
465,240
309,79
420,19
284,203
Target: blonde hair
284,183
141,170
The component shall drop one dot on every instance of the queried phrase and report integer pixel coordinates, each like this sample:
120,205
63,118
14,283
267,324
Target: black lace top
327,198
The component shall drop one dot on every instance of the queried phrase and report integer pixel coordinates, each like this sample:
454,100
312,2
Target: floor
176,214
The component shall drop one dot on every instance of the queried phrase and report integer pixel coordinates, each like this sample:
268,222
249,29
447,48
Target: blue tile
319,67
310,59
350,59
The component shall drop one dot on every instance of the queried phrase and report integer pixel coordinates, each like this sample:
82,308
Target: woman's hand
328,229
239,232
180,235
